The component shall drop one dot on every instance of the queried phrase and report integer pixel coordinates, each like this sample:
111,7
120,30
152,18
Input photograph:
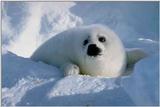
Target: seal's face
94,46
94,52
95,43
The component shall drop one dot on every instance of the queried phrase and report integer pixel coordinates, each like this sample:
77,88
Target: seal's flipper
133,56
70,69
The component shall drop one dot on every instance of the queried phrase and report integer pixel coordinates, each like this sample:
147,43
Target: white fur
66,50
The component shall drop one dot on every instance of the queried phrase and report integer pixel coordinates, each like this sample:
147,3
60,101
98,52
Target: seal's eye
102,39
85,42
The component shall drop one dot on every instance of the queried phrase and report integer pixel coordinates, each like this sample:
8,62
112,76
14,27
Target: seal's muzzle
93,50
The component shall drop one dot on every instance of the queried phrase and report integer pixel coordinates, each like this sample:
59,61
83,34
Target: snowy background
26,25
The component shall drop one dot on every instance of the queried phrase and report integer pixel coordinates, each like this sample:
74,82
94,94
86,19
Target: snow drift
26,82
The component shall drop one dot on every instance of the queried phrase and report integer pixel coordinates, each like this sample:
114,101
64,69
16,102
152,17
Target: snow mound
11,96
22,76
26,82
81,85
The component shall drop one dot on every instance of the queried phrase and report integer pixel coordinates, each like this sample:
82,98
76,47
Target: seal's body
92,50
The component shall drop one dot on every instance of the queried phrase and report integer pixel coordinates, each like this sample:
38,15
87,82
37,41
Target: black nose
93,50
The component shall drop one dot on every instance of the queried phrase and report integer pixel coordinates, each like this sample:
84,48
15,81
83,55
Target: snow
25,82
49,19
20,88
147,40
80,85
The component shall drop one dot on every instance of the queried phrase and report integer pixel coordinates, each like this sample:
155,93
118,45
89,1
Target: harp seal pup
91,50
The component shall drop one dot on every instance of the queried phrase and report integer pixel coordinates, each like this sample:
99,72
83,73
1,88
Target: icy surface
25,82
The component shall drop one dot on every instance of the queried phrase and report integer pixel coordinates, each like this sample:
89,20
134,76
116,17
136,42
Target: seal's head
101,52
